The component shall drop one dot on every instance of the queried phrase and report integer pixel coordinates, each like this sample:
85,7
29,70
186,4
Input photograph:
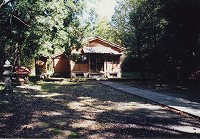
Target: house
98,58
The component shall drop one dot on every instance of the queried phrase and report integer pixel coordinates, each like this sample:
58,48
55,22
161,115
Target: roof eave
105,41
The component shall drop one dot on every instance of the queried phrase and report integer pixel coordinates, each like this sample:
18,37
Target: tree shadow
188,92
148,123
85,110
24,115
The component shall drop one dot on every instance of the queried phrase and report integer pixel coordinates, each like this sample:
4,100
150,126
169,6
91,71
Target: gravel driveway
88,110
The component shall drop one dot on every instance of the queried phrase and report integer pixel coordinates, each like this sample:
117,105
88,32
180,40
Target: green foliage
163,35
122,29
103,29
59,27
32,28
95,25
134,75
57,131
75,57
73,135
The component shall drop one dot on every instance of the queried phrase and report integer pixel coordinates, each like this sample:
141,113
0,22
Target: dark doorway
97,63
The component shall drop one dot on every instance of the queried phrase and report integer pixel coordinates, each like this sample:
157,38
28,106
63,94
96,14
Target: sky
104,8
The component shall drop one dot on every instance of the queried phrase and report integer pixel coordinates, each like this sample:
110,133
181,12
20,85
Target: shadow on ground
188,92
87,110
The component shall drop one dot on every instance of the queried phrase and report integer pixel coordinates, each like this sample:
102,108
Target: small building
98,58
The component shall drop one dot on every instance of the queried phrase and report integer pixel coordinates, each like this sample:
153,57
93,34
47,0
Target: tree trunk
140,59
2,58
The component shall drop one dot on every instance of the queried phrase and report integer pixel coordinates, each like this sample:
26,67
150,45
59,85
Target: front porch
97,66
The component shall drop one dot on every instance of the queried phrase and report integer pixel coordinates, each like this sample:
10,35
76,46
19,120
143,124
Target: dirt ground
88,110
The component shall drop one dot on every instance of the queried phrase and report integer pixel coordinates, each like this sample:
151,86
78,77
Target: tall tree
47,27
182,34
103,29
148,23
12,28
120,23
164,35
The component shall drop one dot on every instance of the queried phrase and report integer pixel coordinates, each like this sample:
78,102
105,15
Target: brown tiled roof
99,50
107,42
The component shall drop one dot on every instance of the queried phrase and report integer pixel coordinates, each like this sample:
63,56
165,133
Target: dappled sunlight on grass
33,87
1,86
88,103
106,111
87,110
86,124
6,114
33,125
46,113
49,95
50,87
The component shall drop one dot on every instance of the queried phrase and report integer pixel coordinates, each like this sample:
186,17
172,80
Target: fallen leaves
88,110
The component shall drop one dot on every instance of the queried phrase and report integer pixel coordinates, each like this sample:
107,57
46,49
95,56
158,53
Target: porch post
89,65
96,64
106,66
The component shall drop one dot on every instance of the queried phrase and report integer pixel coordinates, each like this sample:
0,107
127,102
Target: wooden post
105,65
89,65
96,64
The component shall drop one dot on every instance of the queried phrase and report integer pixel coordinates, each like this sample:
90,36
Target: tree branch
20,20
4,3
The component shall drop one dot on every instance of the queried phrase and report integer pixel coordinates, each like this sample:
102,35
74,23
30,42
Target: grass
1,86
73,135
131,75
135,75
50,87
57,131
45,124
